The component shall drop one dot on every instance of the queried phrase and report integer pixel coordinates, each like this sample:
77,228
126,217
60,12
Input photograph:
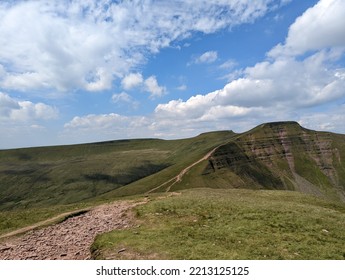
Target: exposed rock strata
284,156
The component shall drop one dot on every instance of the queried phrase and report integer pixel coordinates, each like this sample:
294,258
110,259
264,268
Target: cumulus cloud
22,122
282,87
240,105
67,45
132,80
207,57
265,88
268,91
100,80
155,90
150,85
319,27
24,111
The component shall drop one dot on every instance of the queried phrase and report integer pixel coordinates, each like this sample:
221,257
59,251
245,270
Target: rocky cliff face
284,155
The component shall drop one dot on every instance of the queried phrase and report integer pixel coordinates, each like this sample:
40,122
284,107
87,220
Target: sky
77,71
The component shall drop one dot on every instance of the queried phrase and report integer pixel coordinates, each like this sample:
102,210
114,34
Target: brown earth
70,239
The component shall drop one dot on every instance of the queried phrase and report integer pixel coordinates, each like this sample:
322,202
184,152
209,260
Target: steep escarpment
283,155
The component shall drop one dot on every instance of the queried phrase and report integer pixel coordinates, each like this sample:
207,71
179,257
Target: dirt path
70,239
179,176
43,223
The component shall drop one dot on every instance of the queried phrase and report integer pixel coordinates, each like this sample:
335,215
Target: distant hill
282,156
46,176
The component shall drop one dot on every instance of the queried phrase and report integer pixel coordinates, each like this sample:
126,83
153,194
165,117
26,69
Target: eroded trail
179,176
70,239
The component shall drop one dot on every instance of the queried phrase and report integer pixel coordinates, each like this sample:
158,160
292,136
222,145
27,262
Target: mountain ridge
275,155
282,151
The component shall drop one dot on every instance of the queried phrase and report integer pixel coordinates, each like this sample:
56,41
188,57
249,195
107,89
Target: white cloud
155,90
283,87
105,127
100,80
124,97
121,97
24,111
297,81
321,26
97,122
280,88
132,80
218,112
207,57
266,87
150,85
7,105
68,45
330,120
22,123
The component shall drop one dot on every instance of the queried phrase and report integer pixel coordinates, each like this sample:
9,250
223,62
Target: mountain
281,156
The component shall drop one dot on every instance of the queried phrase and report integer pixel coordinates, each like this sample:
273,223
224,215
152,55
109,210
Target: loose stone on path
69,240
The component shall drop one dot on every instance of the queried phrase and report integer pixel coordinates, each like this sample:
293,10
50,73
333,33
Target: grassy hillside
46,176
279,182
279,156
230,224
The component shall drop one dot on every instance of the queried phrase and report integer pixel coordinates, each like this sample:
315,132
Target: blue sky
82,71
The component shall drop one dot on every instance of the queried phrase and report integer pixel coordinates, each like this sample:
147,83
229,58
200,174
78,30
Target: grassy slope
231,224
40,177
186,152
200,224
62,175
39,183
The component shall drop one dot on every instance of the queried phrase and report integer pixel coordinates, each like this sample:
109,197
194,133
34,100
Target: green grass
38,183
231,224
63,177
185,152
46,176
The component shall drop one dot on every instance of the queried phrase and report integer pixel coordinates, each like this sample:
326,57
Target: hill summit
282,155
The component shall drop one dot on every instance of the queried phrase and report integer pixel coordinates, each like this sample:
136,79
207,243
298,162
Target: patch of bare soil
70,239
